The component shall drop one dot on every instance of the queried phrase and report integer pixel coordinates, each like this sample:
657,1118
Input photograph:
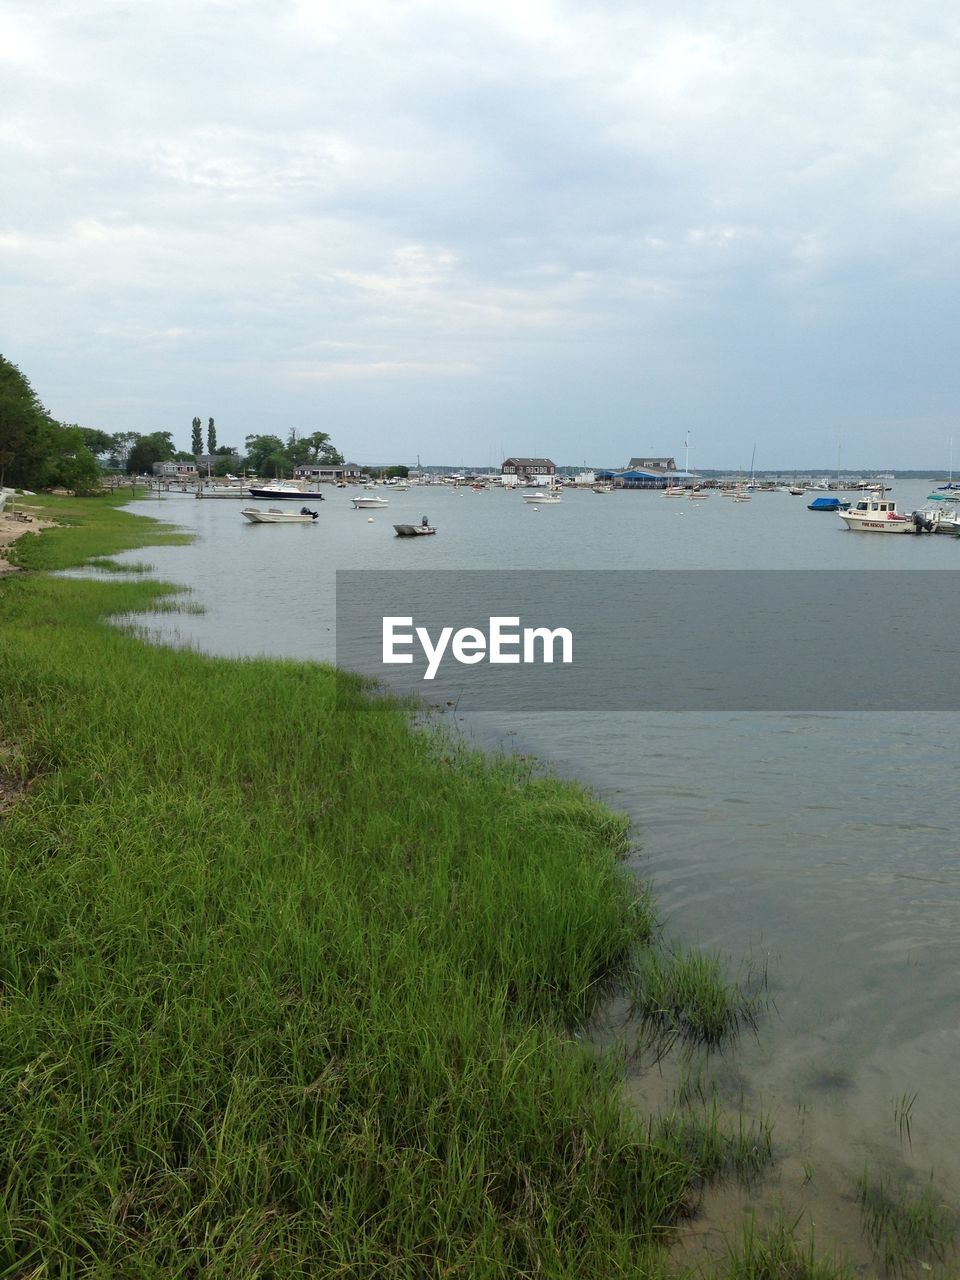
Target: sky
462,230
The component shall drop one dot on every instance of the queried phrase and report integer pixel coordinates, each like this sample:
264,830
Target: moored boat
369,503
877,515
828,504
284,489
414,530
274,515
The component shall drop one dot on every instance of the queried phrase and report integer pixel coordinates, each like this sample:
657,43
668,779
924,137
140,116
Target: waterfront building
528,470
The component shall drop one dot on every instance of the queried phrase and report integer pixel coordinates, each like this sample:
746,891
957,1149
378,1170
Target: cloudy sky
468,228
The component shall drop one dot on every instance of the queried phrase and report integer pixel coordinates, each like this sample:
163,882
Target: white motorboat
697,494
877,515
545,499
937,520
368,503
602,488
674,491
275,515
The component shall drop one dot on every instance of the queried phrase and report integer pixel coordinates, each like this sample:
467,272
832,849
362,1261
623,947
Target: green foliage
36,451
146,450
211,437
98,442
262,448
196,437
26,430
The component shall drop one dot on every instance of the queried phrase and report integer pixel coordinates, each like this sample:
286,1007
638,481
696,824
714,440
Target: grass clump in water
906,1227
779,1255
687,996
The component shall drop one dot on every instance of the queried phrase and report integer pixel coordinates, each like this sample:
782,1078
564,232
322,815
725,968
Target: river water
823,846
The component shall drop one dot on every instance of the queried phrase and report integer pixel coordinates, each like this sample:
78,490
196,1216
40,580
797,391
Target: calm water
826,846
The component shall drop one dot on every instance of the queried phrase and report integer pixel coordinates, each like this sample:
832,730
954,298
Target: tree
156,447
123,442
25,430
262,448
196,442
98,442
71,464
211,437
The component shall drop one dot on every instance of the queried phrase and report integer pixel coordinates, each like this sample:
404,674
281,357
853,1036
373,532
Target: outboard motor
922,523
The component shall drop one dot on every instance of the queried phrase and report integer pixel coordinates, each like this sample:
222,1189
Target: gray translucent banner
658,640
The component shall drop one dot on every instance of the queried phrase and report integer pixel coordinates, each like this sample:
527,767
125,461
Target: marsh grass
289,990
687,996
906,1226
779,1254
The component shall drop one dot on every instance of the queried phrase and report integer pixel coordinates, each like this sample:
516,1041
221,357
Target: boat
877,515
225,491
937,520
545,499
796,492
414,530
694,494
674,491
828,504
602,488
275,515
285,489
368,503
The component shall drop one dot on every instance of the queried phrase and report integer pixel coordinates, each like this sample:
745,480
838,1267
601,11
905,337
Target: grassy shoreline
292,991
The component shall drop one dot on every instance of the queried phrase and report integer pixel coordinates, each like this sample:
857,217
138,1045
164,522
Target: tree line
37,452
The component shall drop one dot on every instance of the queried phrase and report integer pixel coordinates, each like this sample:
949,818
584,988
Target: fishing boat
284,489
368,503
877,515
414,530
276,515
828,504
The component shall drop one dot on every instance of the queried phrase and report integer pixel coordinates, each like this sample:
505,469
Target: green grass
290,990
906,1226
779,1255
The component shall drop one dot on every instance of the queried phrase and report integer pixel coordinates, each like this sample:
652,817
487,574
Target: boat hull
862,524
285,495
256,516
414,530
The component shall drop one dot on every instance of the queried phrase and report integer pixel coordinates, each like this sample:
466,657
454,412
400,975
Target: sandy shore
12,528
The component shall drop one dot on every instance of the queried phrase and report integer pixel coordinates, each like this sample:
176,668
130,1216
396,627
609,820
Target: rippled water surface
824,846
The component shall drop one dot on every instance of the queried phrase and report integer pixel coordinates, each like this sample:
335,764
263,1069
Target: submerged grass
287,990
906,1226
778,1254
